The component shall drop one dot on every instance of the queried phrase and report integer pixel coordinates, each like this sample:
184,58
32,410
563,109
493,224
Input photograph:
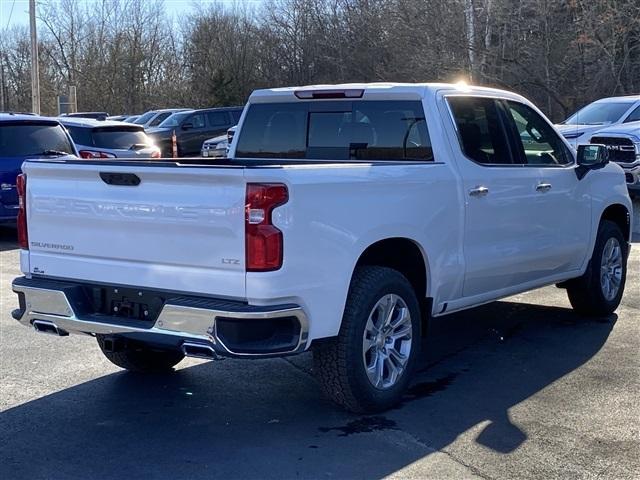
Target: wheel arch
620,215
406,256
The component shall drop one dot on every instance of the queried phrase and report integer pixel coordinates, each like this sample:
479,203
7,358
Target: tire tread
331,356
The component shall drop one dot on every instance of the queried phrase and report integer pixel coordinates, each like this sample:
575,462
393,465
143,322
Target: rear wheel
599,291
139,357
368,366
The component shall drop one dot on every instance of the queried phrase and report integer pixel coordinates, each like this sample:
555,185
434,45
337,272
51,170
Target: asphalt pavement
521,388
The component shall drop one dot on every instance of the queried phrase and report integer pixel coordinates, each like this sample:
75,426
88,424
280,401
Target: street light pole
2,105
35,75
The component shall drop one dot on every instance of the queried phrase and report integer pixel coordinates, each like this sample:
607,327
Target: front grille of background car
621,150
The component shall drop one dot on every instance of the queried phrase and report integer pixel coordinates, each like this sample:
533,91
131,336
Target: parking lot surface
521,388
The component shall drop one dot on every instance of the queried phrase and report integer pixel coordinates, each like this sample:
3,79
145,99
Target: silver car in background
109,139
215,147
218,147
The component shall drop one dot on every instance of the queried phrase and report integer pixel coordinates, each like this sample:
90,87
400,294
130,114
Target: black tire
140,358
586,293
339,362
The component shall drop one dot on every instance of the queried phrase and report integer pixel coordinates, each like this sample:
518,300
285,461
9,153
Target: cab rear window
336,130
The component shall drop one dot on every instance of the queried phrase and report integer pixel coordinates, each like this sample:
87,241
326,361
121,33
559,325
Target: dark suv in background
192,128
23,137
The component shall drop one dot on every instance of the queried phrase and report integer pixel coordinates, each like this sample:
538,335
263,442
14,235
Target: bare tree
128,55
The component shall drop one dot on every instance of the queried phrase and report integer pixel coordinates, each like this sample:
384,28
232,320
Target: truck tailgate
181,228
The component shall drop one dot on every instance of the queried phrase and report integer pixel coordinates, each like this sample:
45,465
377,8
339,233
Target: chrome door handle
543,187
479,191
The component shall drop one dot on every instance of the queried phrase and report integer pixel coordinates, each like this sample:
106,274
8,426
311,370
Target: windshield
599,113
144,118
358,130
175,119
31,139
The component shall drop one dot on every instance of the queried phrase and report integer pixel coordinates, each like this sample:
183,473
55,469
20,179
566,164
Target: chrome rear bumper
180,320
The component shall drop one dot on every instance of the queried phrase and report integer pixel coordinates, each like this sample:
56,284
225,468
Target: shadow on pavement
266,418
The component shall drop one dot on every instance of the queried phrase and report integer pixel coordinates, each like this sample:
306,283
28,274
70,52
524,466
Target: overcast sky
20,13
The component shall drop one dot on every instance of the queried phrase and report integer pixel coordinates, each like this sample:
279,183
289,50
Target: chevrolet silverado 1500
347,217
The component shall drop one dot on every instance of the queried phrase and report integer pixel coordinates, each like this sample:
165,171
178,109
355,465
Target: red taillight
21,186
156,154
91,154
263,240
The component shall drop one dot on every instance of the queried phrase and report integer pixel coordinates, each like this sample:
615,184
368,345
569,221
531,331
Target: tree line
128,56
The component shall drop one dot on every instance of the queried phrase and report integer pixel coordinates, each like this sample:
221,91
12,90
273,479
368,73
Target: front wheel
599,291
368,366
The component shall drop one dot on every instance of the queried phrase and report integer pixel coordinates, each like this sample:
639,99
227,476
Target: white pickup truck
348,216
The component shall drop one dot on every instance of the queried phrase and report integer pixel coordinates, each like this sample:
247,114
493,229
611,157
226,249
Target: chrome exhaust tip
45,326
199,350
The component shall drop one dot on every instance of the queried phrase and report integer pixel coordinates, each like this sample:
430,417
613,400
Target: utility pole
2,105
35,75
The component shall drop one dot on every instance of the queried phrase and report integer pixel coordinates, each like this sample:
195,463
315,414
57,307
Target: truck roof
377,90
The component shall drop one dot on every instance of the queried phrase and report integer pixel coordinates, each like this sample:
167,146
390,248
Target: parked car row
23,137
615,123
198,132
192,128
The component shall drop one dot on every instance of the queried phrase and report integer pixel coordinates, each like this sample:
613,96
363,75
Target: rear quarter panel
335,212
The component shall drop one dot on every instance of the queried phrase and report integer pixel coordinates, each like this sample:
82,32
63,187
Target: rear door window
197,120
336,130
218,119
22,139
481,130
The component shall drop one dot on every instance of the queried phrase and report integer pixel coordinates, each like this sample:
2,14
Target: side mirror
187,126
592,155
